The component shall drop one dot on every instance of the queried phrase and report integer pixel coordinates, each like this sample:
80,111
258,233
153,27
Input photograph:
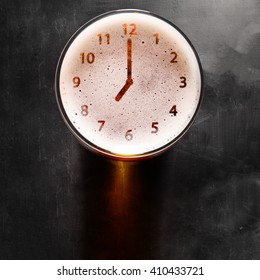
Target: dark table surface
199,200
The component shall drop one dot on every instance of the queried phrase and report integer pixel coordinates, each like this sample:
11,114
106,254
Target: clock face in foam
128,84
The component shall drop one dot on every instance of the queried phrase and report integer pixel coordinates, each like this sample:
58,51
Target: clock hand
124,89
129,59
129,80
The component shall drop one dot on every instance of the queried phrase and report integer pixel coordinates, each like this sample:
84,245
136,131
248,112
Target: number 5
155,126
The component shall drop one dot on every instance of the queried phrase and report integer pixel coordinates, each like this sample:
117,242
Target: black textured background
199,200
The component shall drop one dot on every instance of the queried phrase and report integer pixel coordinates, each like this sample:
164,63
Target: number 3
183,82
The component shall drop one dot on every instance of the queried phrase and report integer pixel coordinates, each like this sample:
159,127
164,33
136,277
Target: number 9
76,81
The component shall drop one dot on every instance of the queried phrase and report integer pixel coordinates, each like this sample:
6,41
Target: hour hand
123,90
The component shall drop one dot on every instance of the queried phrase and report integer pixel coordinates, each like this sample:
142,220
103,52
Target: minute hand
129,80
129,59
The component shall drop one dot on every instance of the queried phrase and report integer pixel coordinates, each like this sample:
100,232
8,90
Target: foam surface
156,86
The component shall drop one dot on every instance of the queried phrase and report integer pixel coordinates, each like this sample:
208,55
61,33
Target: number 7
102,124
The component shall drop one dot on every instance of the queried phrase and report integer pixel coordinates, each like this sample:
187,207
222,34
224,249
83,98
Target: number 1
156,35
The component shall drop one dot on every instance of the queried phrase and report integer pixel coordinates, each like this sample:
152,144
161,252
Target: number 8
84,110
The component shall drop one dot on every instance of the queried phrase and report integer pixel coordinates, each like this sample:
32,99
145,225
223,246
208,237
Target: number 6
129,136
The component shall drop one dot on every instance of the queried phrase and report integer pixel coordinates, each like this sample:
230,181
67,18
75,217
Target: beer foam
156,85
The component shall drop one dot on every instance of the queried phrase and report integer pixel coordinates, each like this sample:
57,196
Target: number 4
173,110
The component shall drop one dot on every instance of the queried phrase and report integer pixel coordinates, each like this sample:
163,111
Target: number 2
174,57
